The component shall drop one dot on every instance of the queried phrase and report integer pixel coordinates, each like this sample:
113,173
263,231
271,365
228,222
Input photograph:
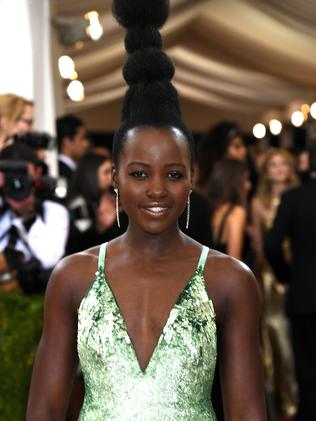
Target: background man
72,144
296,220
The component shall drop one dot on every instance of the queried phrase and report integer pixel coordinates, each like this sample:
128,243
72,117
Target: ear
114,178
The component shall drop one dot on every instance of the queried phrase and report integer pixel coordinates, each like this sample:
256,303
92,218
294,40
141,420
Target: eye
175,175
139,174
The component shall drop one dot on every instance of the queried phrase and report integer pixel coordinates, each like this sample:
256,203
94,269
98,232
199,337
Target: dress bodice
176,385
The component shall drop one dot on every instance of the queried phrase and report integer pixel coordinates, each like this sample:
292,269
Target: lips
156,210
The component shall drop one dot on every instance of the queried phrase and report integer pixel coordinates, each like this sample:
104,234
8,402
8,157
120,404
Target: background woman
277,175
227,193
92,204
16,117
224,140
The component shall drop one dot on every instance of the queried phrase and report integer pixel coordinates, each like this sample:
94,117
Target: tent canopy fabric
243,60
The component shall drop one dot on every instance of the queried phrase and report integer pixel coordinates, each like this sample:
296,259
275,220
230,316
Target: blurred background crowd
254,198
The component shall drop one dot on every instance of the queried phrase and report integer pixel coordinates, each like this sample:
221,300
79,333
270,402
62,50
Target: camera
18,183
36,140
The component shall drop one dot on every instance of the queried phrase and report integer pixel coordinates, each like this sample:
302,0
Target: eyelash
141,175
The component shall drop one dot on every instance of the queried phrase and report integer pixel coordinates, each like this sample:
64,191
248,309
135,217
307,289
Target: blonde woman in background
16,117
276,176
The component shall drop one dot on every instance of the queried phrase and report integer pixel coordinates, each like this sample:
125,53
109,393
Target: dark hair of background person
67,126
312,157
151,100
85,182
212,147
19,152
225,182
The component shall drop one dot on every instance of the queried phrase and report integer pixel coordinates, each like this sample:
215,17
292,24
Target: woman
145,327
227,193
224,140
277,175
16,117
91,204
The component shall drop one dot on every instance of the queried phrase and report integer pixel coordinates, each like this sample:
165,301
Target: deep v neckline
168,320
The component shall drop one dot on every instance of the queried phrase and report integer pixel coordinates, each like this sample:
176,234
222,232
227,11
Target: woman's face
236,149
105,175
25,123
278,169
154,178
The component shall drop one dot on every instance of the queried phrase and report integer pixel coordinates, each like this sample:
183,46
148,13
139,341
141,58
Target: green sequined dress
177,382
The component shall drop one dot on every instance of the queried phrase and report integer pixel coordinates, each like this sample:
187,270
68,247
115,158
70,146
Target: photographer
33,230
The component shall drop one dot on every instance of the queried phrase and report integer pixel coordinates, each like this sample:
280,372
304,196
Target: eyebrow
144,164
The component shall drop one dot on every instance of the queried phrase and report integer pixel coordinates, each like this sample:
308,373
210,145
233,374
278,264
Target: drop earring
188,211
117,208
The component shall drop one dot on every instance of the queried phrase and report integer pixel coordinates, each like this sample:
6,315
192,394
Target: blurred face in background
80,143
105,175
25,123
236,149
278,169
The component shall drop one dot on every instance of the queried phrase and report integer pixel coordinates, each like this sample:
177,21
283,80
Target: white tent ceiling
243,60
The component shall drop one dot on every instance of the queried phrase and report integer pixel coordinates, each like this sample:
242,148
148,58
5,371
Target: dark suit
65,171
296,220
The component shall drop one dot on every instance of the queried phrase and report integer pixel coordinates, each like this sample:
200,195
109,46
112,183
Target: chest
146,297
140,332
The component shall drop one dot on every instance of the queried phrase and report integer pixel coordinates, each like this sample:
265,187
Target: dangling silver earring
117,208
188,211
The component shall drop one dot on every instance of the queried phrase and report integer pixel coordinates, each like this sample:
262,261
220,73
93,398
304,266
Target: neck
277,189
154,244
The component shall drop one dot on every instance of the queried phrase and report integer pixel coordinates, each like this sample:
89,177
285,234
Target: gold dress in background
277,347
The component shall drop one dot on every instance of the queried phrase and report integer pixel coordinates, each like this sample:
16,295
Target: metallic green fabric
177,382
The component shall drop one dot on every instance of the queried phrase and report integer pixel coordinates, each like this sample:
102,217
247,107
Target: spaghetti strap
218,238
202,259
102,252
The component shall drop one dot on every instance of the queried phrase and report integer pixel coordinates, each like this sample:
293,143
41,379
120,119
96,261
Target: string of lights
66,65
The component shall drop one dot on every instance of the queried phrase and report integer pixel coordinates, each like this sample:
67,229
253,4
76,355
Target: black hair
85,182
19,152
67,126
213,146
225,182
151,100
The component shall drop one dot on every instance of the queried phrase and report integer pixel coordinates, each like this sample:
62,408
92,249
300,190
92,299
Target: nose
157,187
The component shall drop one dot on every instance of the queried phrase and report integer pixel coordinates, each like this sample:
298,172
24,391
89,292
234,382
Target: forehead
236,140
28,109
81,131
150,145
278,158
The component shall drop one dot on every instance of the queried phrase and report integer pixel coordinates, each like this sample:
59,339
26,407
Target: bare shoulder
73,275
230,283
237,212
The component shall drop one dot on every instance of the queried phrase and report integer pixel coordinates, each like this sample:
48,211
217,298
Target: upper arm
237,303
56,359
236,227
256,224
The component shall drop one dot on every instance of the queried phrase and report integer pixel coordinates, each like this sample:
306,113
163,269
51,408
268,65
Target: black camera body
18,183
36,140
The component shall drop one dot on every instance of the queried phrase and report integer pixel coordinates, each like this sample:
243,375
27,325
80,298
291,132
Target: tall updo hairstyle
151,100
